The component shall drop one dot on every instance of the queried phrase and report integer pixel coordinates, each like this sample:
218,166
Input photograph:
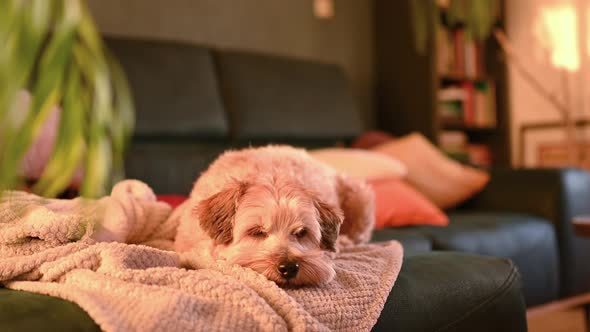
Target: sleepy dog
276,210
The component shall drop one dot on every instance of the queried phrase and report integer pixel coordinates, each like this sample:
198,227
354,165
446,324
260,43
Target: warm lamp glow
556,29
588,30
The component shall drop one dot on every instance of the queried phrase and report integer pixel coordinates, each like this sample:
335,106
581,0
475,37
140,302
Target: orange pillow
398,204
444,181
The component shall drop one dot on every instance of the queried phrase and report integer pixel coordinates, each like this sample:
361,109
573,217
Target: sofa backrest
272,99
181,124
175,88
194,102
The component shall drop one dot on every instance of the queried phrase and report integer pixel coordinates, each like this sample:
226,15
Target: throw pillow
370,139
172,200
398,204
444,181
359,163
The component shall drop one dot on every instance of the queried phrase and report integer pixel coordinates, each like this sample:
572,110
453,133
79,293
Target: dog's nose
288,269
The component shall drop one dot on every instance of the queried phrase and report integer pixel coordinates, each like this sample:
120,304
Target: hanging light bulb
323,8
556,31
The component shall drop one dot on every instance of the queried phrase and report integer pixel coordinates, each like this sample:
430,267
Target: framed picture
557,154
552,154
544,145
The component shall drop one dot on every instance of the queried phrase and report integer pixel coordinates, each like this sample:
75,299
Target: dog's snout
288,269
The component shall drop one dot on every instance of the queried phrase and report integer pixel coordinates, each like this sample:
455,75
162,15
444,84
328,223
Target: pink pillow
398,204
442,180
359,163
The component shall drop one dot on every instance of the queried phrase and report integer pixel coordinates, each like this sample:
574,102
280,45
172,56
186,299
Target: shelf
408,88
451,79
462,127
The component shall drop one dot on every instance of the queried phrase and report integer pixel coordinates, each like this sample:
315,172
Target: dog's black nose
288,269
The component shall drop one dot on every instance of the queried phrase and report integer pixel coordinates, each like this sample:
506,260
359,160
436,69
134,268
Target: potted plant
53,52
478,18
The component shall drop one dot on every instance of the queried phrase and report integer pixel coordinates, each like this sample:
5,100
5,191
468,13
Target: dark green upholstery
150,162
556,195
411,238
24,311
269,98
434,292
526,240
444,291
194,102
172,86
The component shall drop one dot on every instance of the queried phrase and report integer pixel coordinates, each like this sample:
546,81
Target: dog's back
274,162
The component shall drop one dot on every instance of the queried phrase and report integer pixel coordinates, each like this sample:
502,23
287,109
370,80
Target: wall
527,106
283,27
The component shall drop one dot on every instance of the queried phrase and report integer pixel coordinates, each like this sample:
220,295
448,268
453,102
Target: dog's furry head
279,229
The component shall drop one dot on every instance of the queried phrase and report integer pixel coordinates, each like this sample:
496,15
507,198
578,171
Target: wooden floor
568,315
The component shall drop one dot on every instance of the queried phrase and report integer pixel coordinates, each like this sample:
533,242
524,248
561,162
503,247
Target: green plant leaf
98,164
97,110
99,154
70,144
8,10
458,10
47,91
423,12
24,36
482,18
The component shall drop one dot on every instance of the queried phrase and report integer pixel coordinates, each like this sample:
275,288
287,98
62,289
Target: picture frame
544,145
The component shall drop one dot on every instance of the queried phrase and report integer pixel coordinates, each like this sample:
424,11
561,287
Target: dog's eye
301,233
257,232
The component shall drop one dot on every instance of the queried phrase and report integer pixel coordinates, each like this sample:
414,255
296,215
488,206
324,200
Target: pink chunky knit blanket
53,247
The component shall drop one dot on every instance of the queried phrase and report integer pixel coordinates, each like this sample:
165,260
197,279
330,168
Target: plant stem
513,57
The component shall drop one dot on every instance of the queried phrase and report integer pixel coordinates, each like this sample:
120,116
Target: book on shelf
480,155
468,104
453,140
445,51
456,145
457,54
458,40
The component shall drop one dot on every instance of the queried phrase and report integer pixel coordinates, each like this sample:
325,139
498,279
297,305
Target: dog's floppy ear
216,213
330,220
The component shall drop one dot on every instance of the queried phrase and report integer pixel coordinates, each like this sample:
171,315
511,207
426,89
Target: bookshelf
455,94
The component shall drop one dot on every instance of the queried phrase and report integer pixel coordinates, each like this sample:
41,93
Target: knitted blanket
54,247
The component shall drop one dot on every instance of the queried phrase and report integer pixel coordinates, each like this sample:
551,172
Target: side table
569,314
582,225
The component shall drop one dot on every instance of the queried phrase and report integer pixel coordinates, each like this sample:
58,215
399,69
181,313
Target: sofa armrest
554,194
450,291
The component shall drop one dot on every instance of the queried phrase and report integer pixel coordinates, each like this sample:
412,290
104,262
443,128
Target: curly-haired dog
276,210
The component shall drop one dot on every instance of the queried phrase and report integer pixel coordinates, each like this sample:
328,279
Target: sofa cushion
443,180
397,204
174,86
274,99
170,167
25,311
360,164
454,292
530,242
412,240
558,195
433,292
